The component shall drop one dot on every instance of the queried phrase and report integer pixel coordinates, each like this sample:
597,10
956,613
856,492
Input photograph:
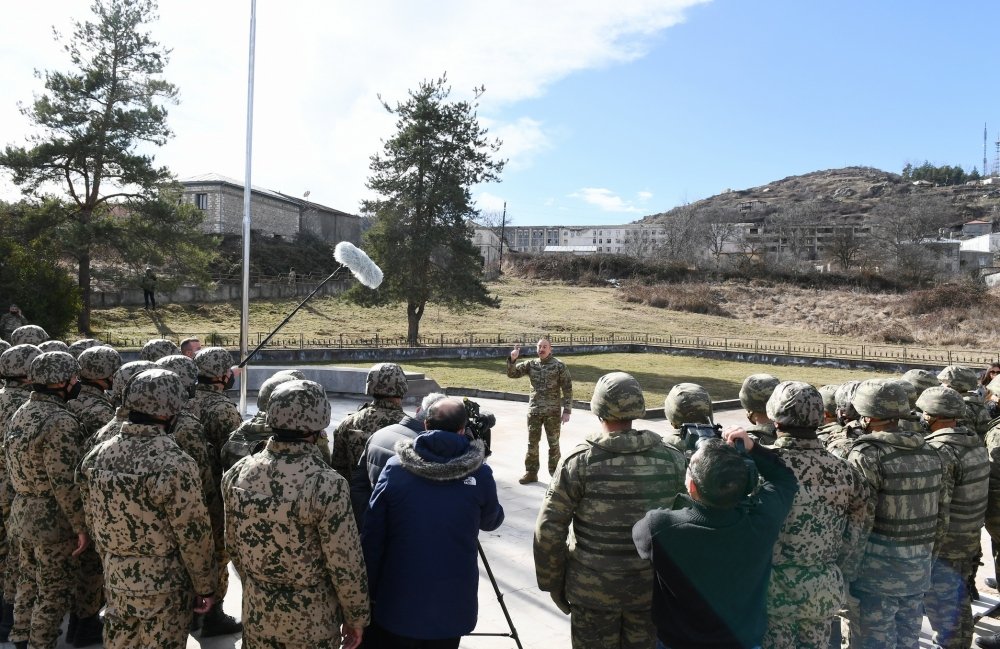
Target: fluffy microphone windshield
362,267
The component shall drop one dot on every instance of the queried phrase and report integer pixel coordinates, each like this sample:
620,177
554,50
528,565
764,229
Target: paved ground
539,623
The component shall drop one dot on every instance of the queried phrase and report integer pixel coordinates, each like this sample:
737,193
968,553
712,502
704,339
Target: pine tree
421,234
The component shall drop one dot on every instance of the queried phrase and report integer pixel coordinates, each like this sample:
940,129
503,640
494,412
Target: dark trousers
149,298
378,638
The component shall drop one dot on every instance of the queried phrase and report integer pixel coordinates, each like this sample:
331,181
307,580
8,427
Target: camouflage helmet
4,346
300,406
28,335
212,362
756,390
618,397
959,378
53,346
881,400
99,362
157,392
182,366
80,346
942,401
921,380
53,367
386,380
688,403
273,381
157,348
829,394
124,375
795,404
845,395
911,392
16,361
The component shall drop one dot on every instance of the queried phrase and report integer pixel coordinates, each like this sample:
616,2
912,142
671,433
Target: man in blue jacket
420,535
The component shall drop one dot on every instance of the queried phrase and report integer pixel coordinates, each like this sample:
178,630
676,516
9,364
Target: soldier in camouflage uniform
823,536
219,417
921,380
948,602
602,488
93,406
909,505
965,381
14,365
993,498
840,439
117,393
43,447
550,403
754,393
252,433
291,533
10,321
81,346
686,403
28,335
143,499
829,395
157,348
386,384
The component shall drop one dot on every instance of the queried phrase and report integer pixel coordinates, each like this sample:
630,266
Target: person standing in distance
549,404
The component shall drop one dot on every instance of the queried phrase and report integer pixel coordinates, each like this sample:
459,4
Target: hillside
847,194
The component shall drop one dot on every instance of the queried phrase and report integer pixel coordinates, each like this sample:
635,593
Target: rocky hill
848,194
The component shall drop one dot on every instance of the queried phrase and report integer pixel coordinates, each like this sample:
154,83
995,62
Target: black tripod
496,589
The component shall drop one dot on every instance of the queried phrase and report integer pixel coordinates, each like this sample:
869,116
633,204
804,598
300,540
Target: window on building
201,201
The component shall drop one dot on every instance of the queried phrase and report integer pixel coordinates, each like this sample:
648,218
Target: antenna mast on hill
986,173
996,159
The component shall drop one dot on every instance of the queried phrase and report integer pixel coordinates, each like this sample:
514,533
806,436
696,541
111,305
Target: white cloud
644,196
605,199
320,66
487,202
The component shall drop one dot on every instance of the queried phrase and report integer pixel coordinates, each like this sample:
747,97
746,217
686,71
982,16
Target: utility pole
503,225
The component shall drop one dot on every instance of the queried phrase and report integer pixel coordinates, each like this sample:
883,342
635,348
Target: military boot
71,626
89,631
217,623
6,620
529,477
23,644
989,642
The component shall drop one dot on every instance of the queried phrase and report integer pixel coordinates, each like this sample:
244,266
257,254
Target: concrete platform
539,623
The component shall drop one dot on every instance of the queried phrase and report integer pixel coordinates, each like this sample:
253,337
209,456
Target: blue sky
608,111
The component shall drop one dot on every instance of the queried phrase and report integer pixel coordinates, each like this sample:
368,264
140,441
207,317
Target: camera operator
711,553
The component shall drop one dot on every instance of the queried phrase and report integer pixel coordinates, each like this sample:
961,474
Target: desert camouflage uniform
108,430
12,397
551,395
295,544
92,407
189,435
603,487
219,417
43,447
819,547
144,501
353,432
905,478
252,434
993,499
947,602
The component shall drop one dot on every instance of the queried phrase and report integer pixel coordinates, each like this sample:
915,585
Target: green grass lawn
657,373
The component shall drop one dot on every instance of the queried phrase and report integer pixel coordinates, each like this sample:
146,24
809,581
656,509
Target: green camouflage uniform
603,487
904,475
293,537
9,322
978,419
947,602
824,432
840,440
551,395
820,545
353,432
145,503
43,447
252,434
92,407
762,433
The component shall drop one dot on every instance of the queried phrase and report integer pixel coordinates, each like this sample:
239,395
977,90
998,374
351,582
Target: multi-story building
271,213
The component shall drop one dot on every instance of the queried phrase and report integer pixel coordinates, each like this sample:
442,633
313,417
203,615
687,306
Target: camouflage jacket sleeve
993,501
177,489
552,526
517,370
339,456
566,385
61,454
949,467
229,478
860,517
342,548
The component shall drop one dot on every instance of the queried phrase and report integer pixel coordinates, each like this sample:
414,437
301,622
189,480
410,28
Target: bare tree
496,223
845,247
683,235
901,228
638,242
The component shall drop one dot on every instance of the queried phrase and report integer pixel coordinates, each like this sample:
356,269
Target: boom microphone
361,266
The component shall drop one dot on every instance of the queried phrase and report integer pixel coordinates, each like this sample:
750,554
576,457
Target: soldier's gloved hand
565,417
559,597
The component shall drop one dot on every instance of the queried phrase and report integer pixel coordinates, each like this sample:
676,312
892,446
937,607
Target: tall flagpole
245,313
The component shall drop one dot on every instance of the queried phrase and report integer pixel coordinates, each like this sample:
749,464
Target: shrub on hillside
594,269
894,334
961,295
692,299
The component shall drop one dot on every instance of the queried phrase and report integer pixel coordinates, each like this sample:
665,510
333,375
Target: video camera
694,434
480,424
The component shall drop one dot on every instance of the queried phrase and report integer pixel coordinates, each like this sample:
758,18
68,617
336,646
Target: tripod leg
496,589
